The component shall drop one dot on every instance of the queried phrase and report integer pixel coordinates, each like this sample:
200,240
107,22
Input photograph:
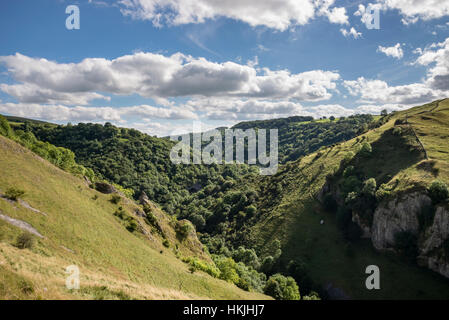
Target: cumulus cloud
31,93
56,112
414,10
351,33
274,14
378,91
394,51
269,13
436,56
158,77
335,15
377,109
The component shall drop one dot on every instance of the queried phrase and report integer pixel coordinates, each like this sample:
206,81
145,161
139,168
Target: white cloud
82,113
351,32
158,77
31,93
413,10
274,14
268,13
436,56
394,51
376,109
335,15
379,92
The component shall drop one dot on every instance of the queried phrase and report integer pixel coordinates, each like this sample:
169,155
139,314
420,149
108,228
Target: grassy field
295,219
79,228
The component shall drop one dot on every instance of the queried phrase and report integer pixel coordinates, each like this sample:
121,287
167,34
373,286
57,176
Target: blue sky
160,67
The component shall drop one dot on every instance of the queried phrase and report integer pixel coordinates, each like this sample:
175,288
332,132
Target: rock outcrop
104,187
400,214
434,251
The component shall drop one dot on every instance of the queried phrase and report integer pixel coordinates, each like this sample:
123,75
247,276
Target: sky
166,66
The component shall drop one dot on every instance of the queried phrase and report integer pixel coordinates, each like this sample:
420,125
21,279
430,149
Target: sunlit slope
294,216
79,228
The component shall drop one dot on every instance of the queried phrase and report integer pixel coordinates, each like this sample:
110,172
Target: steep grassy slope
294,216
79,228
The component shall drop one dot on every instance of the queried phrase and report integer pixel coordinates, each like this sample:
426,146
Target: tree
438,191
282,288
366,149
384,112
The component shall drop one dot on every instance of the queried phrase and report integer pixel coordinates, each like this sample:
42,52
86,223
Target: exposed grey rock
21,224
25,204
397,215
432,253
143,199
365,228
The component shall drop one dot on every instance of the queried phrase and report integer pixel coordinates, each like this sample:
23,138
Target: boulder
104,187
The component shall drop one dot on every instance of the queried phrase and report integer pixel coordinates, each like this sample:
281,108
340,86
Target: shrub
247,256
115,199
183,230
438,191
369,187
366,149
282,288
227,267
196,264
132,225
382,192
14,193
5,129
267,264
348,157
351,183
349,171
166,243
25,241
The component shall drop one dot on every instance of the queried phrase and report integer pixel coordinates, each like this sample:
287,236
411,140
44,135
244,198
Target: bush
247,256
267,264
366,149
5,129
14,193
282,288
196,264
130,223
382,192
369,187
183,230
115,199
166,243
438,191
25,241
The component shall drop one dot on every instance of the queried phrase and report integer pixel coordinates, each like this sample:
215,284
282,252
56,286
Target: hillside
315,188
76,225
362,198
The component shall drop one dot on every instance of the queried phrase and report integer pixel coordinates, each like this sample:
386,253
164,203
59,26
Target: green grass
81,231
